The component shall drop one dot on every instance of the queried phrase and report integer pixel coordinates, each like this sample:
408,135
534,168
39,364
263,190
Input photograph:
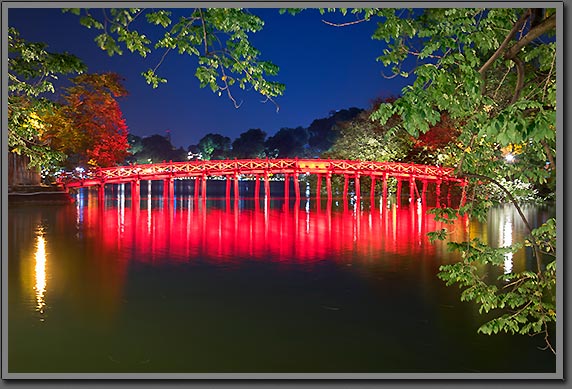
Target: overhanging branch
540,29
519,80
535,247
505,43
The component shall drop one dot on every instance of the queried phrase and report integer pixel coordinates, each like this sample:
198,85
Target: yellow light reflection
506,240
40,286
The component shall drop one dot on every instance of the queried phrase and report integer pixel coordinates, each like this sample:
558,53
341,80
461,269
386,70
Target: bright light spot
509,157
40,285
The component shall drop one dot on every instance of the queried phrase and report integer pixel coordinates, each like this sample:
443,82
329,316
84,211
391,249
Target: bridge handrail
256,166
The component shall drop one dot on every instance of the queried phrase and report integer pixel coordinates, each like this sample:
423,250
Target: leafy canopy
219,39
32,71
89,125
493,72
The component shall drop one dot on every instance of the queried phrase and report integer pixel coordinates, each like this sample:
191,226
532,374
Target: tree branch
544,26
519,80
344,24
459,170
204,31
548,77
505,43
548,152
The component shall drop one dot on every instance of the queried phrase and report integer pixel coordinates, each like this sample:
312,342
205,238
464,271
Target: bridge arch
232,170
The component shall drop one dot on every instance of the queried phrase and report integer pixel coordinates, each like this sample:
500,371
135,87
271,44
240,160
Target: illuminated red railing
233,168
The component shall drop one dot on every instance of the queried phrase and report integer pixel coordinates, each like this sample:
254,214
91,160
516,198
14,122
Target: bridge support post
135,192
171,188
286,186
101,193
329,185
372,192
384,191
318,187
438,194
296,186
168,188
345,187
357,187
236,188
424,194
196,191
204,187
398,200
257,187
266,185
411,189
227,189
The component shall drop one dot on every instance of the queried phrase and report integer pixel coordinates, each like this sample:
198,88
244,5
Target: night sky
324,68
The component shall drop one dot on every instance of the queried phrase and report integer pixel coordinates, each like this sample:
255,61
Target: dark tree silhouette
287,143
249,144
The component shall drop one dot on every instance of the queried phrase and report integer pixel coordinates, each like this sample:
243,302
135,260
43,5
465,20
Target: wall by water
19,173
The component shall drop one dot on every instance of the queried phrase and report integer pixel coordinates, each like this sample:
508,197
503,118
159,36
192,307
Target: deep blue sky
324,68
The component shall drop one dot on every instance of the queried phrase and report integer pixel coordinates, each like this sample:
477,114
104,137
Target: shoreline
38,194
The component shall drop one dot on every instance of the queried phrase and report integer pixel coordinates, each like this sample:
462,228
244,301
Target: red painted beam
258,167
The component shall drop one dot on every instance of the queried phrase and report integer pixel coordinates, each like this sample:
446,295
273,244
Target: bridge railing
258,166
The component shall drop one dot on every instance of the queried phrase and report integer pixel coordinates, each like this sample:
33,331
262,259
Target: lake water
248,287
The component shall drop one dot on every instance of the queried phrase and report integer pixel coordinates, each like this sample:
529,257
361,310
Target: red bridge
233,170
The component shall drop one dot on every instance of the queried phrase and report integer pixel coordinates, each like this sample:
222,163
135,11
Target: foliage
31,73
287,143
89,126
525,299
250,144
324,132
363,139
153,149
214,146
523,192
437,145
493,72
219,39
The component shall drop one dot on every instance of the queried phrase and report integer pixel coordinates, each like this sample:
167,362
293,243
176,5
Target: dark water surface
248,287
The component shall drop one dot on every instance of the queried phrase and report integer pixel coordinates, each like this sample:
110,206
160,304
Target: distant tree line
300,142
343,134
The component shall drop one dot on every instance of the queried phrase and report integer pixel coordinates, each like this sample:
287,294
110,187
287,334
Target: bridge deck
163,171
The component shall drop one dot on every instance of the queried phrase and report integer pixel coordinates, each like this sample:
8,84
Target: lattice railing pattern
161,171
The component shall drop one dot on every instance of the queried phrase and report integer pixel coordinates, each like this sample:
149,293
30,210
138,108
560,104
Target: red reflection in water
181,234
